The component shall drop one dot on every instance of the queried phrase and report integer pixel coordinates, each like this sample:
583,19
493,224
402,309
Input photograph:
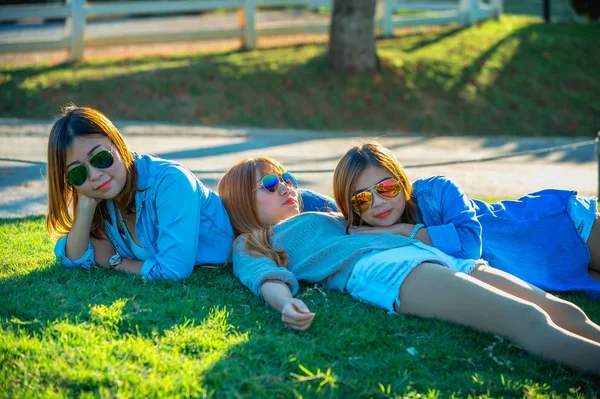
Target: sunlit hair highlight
62,197
349,168
237,190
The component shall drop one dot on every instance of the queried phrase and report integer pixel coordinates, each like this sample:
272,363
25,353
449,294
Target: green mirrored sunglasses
79,174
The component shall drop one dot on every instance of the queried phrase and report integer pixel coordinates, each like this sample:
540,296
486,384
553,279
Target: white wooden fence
76,12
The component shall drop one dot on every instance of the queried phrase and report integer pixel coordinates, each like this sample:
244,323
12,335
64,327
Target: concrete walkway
23,190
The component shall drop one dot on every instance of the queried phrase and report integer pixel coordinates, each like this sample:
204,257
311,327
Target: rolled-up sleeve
253,271
177,203
460,233
86,261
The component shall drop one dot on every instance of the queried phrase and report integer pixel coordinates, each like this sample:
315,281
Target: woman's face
100,183
383,211
274,207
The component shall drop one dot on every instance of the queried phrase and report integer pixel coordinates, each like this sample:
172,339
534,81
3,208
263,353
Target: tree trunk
352,37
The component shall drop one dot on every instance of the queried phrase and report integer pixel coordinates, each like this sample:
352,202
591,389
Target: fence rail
77,12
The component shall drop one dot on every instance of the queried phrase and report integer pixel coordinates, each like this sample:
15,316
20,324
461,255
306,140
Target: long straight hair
237,190
349,168
62,197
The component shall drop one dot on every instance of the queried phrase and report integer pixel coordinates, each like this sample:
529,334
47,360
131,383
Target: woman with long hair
550,238
117,208
277,247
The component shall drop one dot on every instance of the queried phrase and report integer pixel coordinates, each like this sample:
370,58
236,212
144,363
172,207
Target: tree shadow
367,350
31,205
21,174
529,48
273,361
420,41
416,92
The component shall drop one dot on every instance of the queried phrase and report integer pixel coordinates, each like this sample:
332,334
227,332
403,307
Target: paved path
23,189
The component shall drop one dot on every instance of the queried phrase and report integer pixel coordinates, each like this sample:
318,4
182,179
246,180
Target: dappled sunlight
89,72
108,316
19,258
72,356
5,77
471,50
487,70
444,58
316,381
448,80
279,61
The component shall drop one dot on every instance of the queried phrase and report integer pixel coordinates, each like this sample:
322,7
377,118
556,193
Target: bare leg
565,314
593,244
434,291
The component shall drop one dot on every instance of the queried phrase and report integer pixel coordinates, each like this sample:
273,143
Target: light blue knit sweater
319,251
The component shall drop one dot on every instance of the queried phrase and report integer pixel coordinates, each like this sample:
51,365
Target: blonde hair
237,190
349,168
62,197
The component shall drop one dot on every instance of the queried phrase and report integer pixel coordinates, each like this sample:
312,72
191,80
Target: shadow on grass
351,350
531,79
421,42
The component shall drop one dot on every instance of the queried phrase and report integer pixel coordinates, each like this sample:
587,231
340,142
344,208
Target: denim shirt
532,238
180,223
449,216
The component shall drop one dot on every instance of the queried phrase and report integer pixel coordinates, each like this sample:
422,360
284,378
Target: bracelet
418,226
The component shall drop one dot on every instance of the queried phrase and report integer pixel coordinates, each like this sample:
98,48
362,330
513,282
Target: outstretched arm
294,313
275,284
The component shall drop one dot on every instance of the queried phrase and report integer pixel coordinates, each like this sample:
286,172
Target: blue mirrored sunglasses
270,182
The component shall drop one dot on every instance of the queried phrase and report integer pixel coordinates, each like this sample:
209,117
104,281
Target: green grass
78,333
515,76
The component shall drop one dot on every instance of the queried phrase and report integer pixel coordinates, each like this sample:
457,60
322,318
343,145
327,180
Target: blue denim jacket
179,222
449,216
532,237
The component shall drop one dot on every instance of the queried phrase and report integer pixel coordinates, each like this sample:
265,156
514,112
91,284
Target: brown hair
62,197
237,190
353,163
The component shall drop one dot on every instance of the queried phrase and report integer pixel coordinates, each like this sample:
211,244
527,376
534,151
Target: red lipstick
104,186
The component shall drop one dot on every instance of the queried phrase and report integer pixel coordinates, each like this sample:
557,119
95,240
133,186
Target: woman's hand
295,314
87,204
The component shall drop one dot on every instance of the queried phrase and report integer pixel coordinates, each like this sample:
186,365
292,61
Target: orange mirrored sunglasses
389,188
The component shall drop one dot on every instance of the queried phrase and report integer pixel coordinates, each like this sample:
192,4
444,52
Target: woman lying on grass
550,238
132,212
277,247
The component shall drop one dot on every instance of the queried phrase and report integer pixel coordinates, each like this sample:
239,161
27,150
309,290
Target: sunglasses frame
372,189
85,163
280,179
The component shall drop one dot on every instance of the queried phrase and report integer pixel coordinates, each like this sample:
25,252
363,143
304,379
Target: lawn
515,76
77,333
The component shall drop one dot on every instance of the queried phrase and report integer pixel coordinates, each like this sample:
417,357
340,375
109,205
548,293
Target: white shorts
377,277
583,211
